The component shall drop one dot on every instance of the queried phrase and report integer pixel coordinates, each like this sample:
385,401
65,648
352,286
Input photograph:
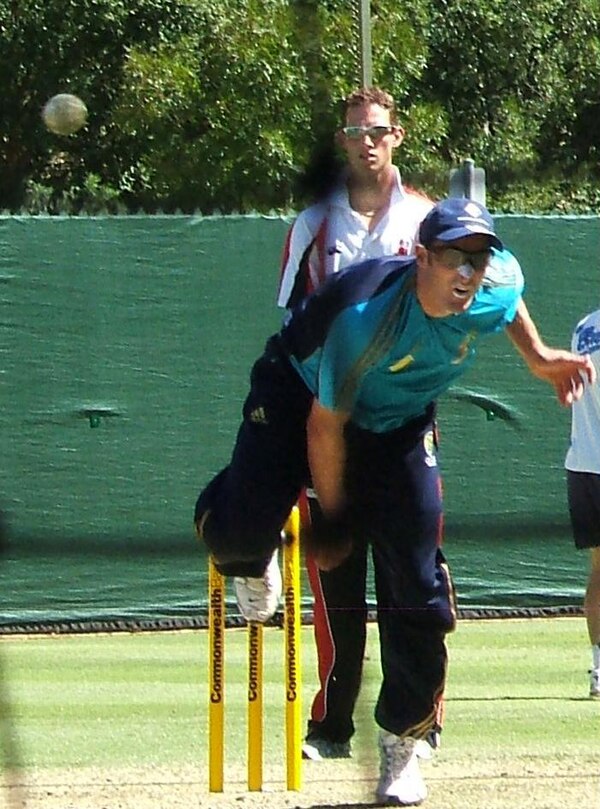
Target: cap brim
473,230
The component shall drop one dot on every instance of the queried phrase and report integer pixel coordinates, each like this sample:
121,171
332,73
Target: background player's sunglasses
373,132
453,258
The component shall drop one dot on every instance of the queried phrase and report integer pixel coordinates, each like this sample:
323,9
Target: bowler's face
450,273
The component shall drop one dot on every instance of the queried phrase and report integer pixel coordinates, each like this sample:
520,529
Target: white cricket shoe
595,683
258,598
400,779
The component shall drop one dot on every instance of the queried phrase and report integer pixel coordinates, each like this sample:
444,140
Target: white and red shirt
584,452
330,235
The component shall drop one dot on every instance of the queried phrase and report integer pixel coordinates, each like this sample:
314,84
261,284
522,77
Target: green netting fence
125,349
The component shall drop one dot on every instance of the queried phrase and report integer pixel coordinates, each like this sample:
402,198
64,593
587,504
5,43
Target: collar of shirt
339,197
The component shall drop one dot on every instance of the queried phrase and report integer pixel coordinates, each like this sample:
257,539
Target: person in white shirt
583,484
367,213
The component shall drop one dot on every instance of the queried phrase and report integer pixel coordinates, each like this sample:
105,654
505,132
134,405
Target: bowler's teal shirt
363,344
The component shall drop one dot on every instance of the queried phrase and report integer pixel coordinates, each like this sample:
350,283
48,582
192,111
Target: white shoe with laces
400,779
258,598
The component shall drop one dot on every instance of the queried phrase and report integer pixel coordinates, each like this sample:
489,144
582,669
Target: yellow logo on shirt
406,360
400,365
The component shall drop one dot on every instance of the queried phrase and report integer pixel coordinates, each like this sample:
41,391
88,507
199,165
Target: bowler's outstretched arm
565,371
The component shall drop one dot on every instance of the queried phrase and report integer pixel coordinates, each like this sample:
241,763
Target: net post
366,56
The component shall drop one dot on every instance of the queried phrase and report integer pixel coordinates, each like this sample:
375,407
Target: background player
583,484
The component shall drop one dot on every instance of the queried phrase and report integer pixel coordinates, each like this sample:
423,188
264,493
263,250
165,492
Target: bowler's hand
327,542
330,558
566,372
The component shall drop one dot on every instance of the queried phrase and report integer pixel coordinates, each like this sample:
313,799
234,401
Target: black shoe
316,749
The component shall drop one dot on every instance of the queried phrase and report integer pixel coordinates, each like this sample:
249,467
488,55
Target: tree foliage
518,80
218,104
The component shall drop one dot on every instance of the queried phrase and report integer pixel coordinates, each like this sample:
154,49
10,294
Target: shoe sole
311,756
314,755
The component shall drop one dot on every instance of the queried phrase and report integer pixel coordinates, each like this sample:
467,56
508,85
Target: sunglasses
373,132
453,258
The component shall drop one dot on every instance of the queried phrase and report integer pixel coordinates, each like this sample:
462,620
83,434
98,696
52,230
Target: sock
596,656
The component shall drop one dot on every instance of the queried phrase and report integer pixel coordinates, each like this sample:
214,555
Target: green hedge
216,105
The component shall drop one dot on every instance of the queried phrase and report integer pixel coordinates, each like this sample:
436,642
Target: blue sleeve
500,292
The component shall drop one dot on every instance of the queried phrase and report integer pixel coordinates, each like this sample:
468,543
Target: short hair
371,95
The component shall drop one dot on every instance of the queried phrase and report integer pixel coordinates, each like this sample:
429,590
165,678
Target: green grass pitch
517,718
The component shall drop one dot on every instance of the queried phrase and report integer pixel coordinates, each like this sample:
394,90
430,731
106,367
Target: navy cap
456,218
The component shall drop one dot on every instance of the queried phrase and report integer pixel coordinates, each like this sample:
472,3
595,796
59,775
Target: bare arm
327,461
327,456
565,371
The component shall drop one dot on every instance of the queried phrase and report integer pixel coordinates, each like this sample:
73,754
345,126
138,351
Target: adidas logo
258,416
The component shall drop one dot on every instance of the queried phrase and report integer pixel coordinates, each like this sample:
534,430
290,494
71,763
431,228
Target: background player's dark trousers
394,489
339,620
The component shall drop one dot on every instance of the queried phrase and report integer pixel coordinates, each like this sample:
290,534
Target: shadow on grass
367,805
10,763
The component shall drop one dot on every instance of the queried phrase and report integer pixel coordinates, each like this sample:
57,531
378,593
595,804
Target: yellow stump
293,682
255,706
216,678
